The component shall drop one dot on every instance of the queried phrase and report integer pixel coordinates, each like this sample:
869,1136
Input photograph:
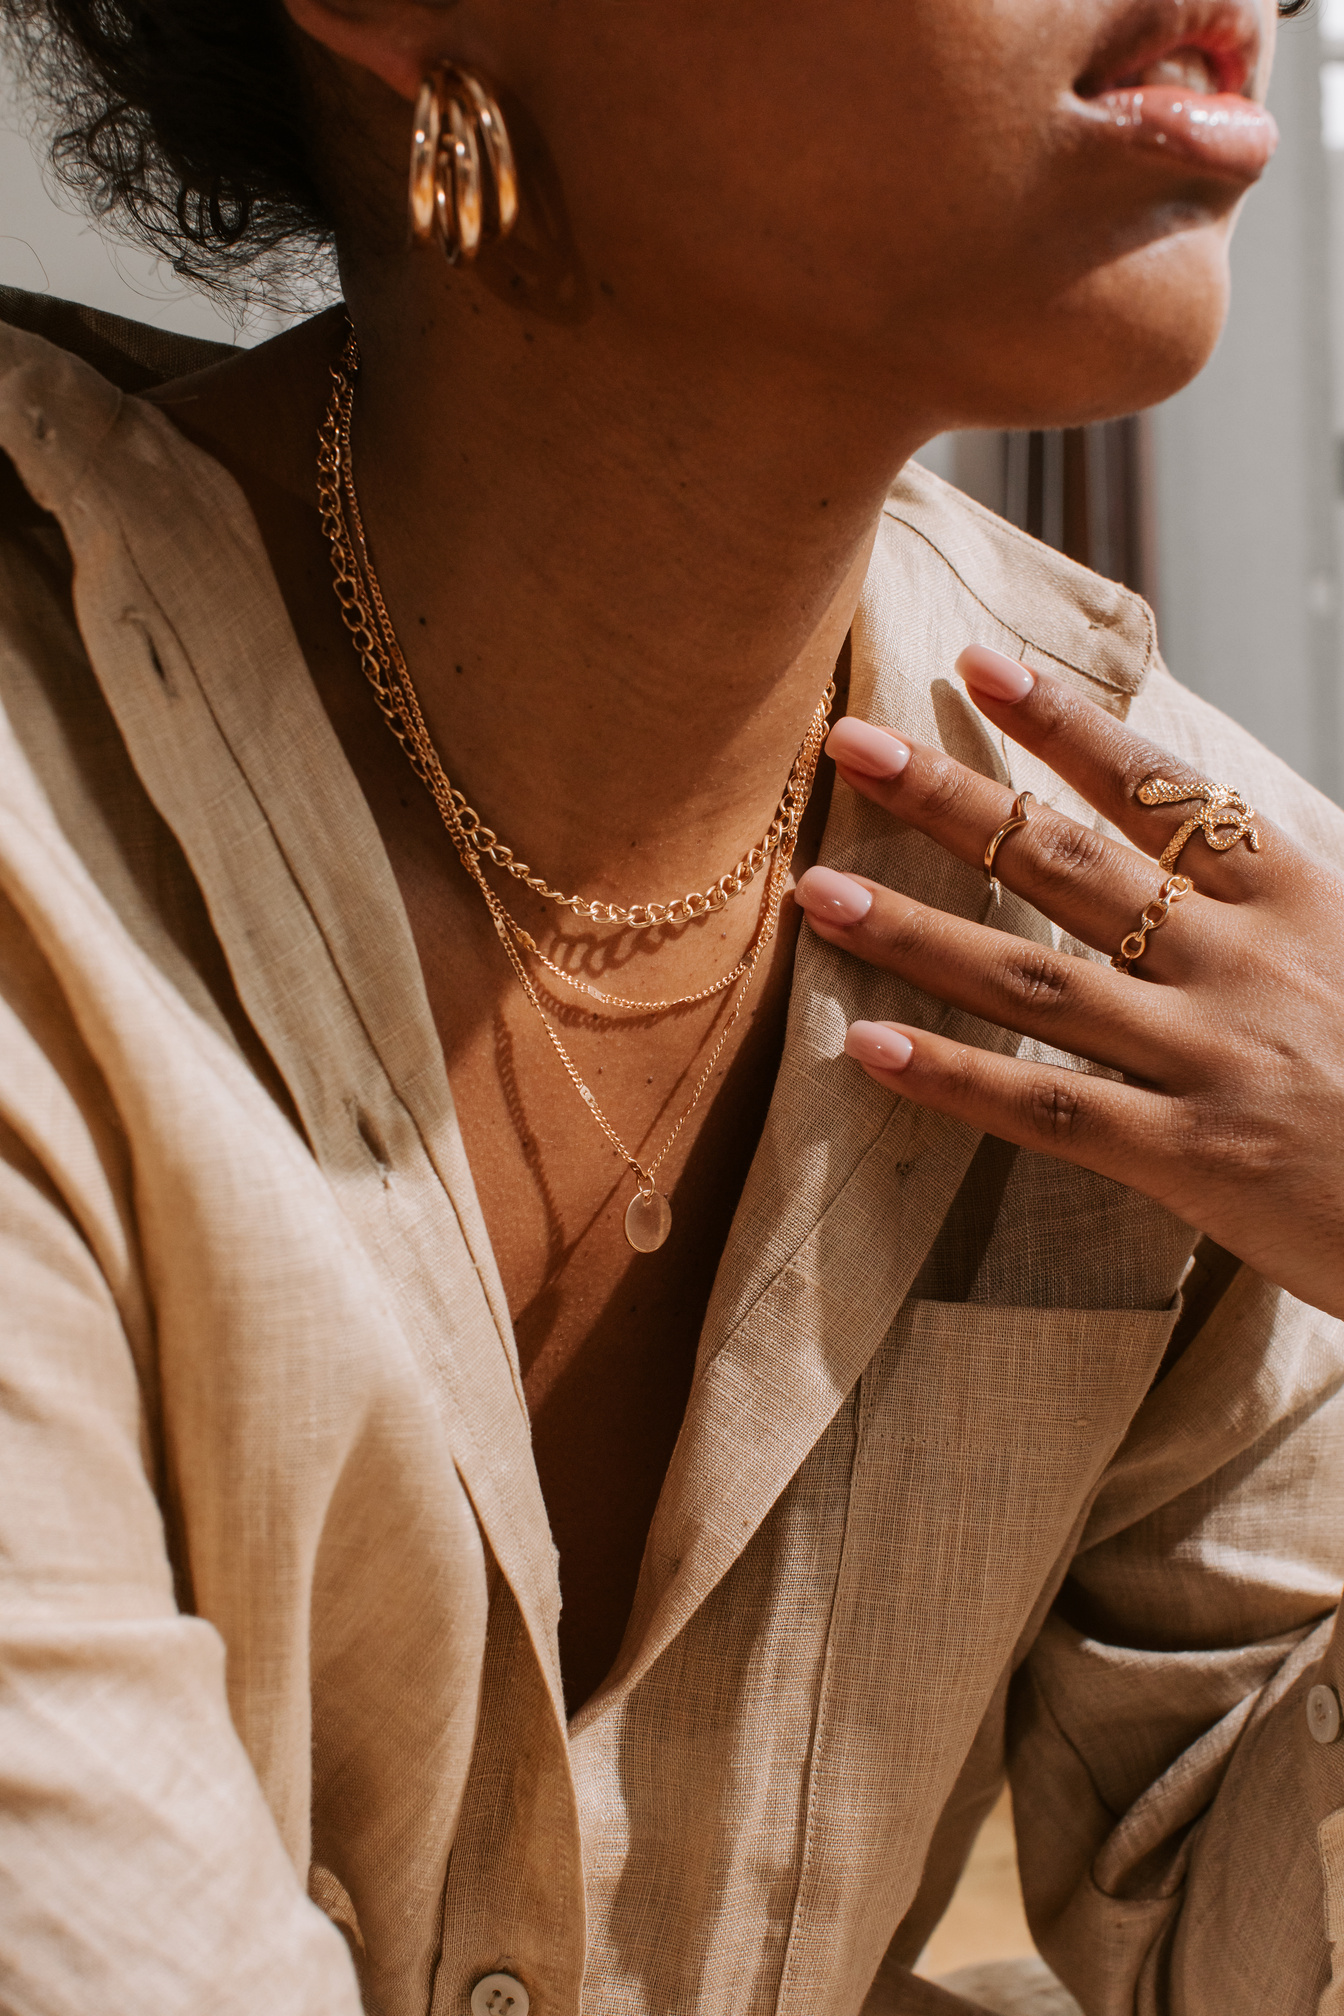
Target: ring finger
1092,886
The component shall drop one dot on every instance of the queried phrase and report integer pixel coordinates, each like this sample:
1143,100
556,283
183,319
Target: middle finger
1060,998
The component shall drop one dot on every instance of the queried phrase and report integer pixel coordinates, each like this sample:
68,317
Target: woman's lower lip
1222,134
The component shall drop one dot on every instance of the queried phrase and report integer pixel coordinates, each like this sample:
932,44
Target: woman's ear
397,40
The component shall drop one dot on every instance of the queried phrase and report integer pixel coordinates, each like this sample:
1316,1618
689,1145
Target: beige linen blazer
962,1484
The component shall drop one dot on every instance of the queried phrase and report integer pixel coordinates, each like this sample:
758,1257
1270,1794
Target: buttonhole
160,669
373,1141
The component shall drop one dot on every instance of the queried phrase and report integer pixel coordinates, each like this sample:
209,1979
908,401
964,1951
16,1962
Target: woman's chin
1126,338
1157,314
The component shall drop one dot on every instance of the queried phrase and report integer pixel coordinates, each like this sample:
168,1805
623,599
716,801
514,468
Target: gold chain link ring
1154,917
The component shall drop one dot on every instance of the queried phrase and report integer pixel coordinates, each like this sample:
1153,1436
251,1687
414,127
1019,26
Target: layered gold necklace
648,1216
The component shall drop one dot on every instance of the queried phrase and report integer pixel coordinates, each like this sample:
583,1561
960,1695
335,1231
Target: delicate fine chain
719,986
635,916
364,613
367,617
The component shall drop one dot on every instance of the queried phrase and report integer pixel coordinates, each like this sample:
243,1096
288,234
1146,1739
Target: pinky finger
1098,1123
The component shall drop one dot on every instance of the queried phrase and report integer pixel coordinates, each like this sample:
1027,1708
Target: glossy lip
1224,132
1220,135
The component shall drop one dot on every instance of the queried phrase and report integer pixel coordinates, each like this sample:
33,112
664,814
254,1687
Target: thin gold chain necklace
386,670
648,1216
635,916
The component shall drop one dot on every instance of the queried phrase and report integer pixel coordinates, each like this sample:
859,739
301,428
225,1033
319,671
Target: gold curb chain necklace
648,1216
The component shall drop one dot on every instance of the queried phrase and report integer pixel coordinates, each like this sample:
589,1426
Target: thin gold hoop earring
464,185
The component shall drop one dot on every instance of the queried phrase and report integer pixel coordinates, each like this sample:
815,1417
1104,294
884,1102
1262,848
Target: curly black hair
179,121
183,122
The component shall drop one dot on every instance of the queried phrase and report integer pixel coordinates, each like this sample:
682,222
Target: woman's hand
1228,1034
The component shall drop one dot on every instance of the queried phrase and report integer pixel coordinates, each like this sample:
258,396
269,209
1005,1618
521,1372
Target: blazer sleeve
1180,1822
141,1872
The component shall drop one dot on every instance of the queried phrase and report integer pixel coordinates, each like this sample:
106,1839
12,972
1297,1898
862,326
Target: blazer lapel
848,1185
226,731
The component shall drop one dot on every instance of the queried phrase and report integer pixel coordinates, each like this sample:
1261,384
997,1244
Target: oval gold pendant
648,1220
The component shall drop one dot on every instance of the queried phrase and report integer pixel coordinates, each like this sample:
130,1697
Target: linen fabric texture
281,1725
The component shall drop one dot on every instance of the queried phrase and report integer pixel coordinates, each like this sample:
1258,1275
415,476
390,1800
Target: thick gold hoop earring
464,185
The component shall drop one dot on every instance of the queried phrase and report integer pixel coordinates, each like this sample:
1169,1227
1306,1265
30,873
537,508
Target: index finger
1107,763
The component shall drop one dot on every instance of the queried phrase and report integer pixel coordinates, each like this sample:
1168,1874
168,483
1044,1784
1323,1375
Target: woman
856,1465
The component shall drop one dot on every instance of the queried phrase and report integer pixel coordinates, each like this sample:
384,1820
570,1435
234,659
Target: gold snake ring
1223,817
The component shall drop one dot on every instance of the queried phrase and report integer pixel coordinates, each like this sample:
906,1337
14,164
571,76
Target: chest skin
606,1337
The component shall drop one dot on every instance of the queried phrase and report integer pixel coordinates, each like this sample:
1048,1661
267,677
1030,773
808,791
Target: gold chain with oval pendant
648,1216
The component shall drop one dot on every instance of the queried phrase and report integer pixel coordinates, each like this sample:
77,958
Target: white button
500,1995
1323,1716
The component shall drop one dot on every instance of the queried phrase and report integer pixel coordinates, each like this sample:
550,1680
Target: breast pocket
983,1432
983,1429
982,1435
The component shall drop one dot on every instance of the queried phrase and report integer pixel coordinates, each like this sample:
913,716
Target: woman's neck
620,571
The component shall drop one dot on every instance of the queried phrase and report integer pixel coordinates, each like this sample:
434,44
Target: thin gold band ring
1017,817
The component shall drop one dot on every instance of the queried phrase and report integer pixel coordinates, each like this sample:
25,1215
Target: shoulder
55,413
976,576
948,572
79,832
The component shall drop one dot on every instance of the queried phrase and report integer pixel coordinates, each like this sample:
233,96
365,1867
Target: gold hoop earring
464,185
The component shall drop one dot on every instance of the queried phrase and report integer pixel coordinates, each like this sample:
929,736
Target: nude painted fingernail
878,1048
873,752
831,898
997,677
